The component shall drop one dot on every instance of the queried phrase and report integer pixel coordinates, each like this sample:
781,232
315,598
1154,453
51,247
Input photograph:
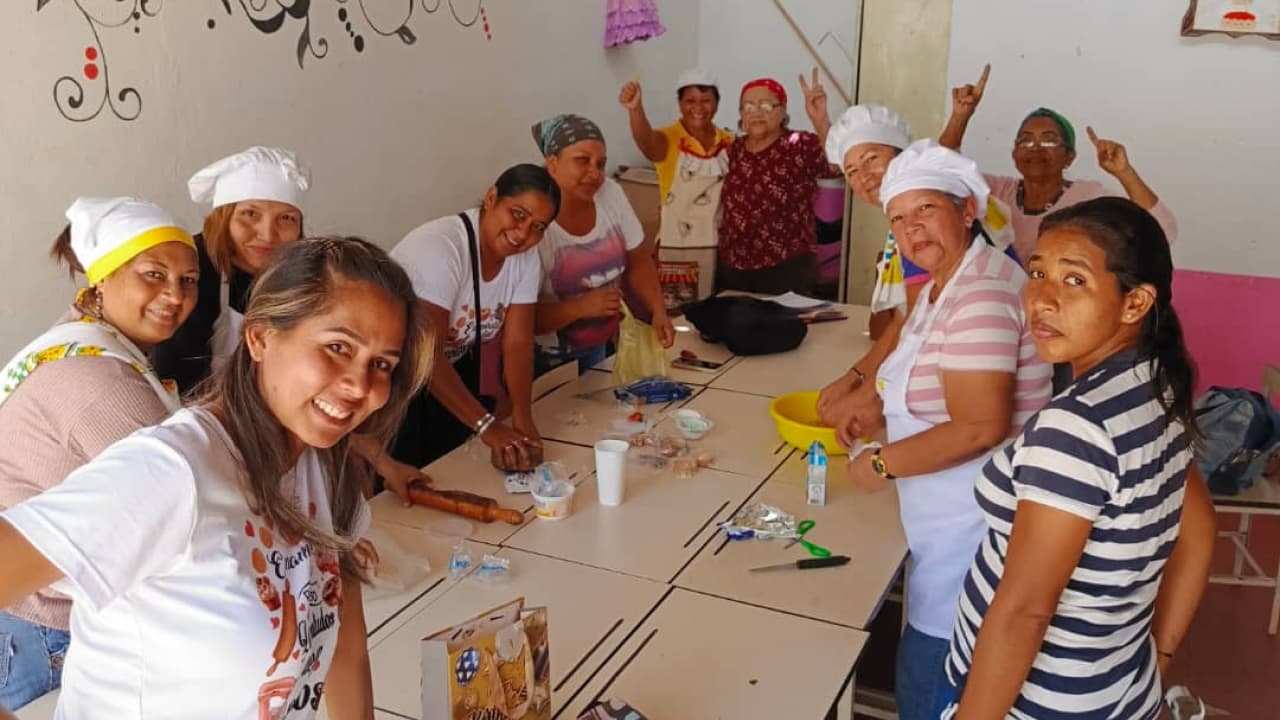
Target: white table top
470,470
864,527
662,522
827,351
687,338
563,416
745,438
698,656
382,602
590,612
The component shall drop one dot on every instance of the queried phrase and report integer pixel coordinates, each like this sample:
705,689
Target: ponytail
1172,369
62,252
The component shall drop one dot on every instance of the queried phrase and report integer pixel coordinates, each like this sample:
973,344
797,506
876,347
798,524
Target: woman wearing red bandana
768,235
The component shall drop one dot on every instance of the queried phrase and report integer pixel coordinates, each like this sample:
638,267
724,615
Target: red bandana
769,84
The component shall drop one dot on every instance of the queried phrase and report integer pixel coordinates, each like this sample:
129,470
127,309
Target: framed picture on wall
1233,17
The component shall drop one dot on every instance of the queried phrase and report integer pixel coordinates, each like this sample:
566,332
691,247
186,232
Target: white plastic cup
611,467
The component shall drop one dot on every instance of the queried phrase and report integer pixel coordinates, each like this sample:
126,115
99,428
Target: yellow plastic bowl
796,415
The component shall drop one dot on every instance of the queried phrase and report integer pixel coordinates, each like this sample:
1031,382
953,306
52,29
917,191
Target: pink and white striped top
980,327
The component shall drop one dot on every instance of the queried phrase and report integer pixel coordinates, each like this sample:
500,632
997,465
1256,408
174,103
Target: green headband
1068,132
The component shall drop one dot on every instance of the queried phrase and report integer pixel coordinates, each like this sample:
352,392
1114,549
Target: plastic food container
556,504
692,424
796,415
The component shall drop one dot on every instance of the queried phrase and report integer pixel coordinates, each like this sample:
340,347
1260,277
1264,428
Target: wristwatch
880,467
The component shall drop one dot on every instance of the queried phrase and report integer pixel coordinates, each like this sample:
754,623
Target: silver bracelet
484,423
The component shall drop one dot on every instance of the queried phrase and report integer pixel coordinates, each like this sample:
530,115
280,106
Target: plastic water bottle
817,475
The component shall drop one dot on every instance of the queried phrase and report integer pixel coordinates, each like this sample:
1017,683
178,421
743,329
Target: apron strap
473,382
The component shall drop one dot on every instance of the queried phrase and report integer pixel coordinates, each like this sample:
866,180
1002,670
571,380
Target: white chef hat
259,173
866,124
695,76
106,233
926,165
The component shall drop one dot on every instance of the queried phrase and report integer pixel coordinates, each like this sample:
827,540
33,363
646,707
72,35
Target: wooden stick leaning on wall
813,52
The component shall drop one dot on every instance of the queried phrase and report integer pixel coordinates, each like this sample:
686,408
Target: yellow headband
114,260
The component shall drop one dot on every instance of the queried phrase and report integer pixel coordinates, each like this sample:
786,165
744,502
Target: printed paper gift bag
495,666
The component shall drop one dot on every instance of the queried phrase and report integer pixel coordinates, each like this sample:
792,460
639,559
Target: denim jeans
31,658
920,679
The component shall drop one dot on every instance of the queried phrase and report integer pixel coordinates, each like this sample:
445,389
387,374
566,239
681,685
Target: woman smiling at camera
209,559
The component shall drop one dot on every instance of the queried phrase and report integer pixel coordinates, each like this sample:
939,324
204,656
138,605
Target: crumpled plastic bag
640,353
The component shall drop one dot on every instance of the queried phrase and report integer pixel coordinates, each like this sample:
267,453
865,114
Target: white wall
395,135
740,40
1198,115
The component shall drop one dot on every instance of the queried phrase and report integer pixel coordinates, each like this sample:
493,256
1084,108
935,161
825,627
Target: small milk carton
817,476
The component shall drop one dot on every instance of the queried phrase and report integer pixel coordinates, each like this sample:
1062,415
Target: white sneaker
1183,705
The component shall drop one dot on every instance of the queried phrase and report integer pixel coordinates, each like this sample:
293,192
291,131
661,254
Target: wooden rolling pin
459,502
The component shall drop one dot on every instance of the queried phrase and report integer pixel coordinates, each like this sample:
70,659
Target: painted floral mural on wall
84,96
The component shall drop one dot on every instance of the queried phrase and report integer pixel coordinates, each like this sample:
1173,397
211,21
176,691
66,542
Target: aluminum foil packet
761,521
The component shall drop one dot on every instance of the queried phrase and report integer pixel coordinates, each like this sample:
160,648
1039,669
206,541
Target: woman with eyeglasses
1043,149
768,233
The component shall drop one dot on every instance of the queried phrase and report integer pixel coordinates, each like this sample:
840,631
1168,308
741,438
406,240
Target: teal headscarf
555,134
1068,132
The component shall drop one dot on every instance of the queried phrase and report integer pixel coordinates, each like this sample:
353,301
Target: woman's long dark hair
1138,254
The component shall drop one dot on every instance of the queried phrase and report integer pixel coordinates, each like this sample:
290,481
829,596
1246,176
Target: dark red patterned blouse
767,201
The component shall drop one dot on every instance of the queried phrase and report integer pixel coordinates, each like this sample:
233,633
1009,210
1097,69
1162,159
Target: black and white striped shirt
1103,450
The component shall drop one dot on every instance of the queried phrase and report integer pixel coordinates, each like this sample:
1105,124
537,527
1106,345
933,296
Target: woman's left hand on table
512,449
863,476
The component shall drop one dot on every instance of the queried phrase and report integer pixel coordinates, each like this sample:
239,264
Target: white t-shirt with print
185,604
436,257
574,264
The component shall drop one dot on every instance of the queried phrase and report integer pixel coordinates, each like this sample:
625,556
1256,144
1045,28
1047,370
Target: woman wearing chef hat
256,196
84,384
963,378
863,141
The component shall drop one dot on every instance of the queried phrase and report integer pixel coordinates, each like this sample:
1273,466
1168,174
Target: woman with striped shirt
1082,587
962,379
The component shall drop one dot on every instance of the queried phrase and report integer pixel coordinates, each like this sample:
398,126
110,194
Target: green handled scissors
814,550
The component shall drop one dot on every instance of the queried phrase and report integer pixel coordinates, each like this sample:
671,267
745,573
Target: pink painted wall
1231,325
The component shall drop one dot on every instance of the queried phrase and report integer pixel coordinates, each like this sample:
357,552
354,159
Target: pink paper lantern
628,21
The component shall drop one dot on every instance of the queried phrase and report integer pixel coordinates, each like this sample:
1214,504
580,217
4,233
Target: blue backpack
1241,432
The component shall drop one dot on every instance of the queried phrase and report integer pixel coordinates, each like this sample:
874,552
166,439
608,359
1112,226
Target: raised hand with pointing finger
964,101
965,98
1112,157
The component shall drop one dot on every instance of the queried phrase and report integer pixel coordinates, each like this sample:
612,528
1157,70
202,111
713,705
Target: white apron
86,337
227,328
690,226
939,512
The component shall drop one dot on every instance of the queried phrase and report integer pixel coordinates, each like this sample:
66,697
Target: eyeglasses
1044,143
764,106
